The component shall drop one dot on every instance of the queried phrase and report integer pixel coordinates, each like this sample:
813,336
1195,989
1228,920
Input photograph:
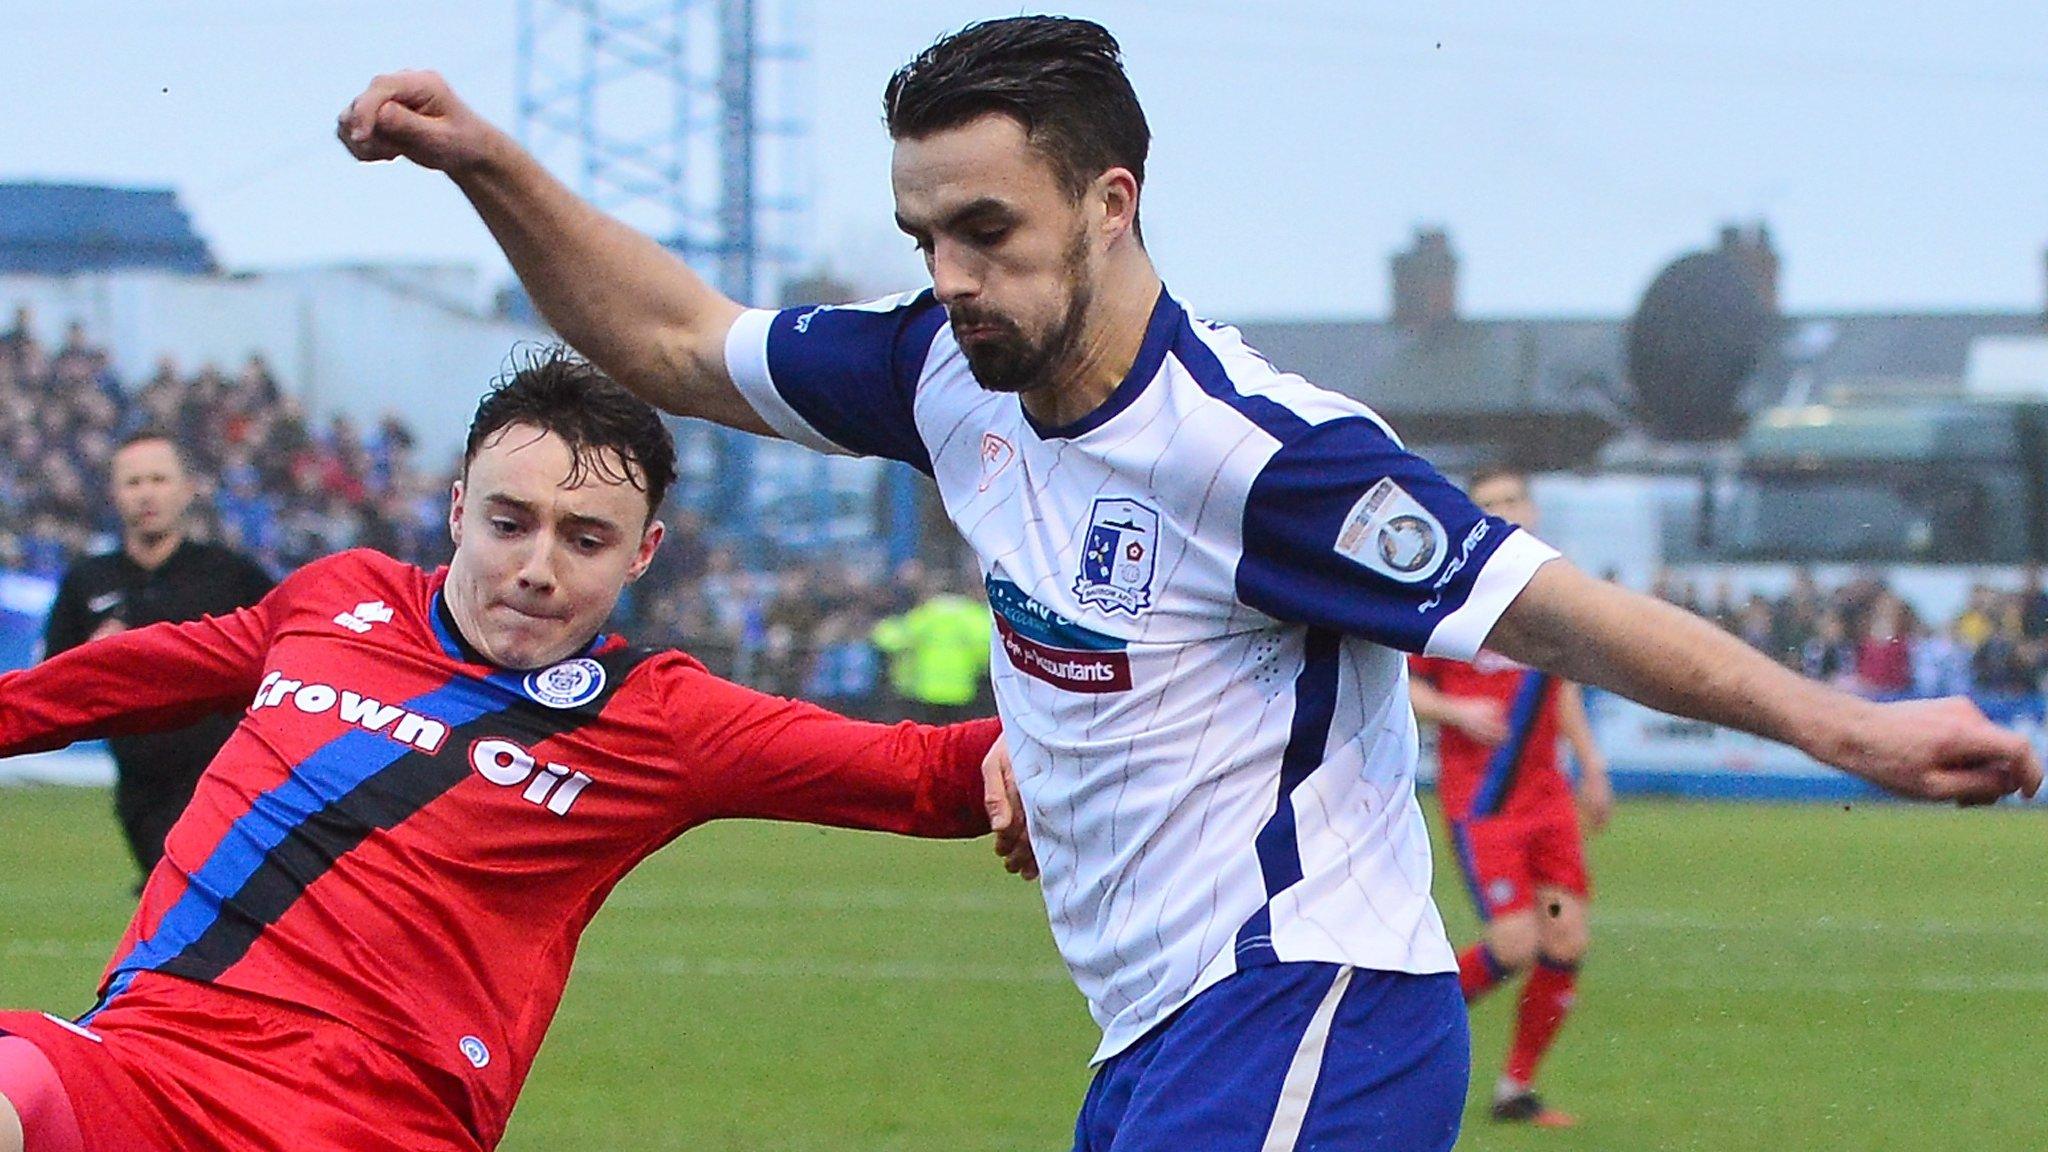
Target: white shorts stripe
68,1026
1300,1084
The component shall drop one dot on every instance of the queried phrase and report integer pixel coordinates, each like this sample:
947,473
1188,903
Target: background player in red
363,924
1514,825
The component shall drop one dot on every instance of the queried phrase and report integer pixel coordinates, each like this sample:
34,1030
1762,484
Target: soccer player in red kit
1514,824
364,922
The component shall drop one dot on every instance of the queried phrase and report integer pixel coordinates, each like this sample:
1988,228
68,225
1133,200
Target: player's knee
1512,939
1564,951
1563,937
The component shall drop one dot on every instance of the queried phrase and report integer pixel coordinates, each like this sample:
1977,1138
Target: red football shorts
173,1065
1505,859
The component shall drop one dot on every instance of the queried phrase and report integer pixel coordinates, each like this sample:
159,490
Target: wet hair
551,388
1061,78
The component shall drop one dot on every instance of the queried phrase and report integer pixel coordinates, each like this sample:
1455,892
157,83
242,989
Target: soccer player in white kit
1203,572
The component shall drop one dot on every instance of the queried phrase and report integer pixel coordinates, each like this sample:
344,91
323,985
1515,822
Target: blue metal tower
680,117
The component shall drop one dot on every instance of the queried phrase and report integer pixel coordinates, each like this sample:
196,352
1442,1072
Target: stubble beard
1011,362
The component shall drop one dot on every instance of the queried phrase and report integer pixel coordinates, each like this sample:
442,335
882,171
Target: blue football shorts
1291,1057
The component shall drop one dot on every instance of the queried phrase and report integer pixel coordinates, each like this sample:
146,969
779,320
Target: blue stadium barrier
24,604
1832,788
1648,754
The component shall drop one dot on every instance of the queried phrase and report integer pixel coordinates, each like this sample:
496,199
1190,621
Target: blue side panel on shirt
1308,737
852,373
1291,568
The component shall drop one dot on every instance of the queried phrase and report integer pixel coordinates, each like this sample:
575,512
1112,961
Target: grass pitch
1762,978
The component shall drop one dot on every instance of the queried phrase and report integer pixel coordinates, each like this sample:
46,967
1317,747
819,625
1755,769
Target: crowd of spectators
286,489
1863,636
279,486
806,628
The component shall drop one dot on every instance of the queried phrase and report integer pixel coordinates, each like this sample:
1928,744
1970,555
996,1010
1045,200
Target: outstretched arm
615,295
1588,630
148,679
769,758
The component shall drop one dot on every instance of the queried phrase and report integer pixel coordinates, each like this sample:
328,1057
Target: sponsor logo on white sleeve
1391,533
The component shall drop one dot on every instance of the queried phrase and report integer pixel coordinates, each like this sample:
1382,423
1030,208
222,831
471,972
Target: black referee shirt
156,771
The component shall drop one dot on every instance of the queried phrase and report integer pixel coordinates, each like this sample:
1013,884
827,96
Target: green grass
1763,978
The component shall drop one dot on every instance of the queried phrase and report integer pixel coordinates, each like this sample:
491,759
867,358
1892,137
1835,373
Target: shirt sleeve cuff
746,358
1460,634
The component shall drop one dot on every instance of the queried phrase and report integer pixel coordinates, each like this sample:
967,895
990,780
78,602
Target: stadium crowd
286,488
1864,636
859,642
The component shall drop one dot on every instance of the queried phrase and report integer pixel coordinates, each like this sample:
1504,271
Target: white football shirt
1201,594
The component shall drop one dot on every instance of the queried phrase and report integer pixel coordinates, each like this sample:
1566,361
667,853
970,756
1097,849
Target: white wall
2007,367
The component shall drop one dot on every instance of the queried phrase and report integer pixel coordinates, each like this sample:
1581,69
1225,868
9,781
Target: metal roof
58,229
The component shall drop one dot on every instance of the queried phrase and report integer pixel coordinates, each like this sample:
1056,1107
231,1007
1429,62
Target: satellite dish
1694,340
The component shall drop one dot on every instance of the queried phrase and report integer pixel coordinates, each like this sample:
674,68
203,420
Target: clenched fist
418,116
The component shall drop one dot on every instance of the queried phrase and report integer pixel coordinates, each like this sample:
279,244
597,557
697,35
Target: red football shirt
411,841
1522,774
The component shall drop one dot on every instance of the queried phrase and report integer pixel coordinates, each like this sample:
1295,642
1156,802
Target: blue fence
24,604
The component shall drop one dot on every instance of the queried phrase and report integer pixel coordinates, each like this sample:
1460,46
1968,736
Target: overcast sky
1899,151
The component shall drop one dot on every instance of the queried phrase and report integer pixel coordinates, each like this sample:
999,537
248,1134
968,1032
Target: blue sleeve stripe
851,373
746,360
1504,569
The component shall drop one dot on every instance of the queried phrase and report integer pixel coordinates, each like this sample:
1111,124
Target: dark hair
1497,470
551,388
149,433
1062,79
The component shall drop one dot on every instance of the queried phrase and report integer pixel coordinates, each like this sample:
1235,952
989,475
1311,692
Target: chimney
1752,248
1426,282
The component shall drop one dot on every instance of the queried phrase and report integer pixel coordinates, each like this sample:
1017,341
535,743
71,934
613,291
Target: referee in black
158,574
